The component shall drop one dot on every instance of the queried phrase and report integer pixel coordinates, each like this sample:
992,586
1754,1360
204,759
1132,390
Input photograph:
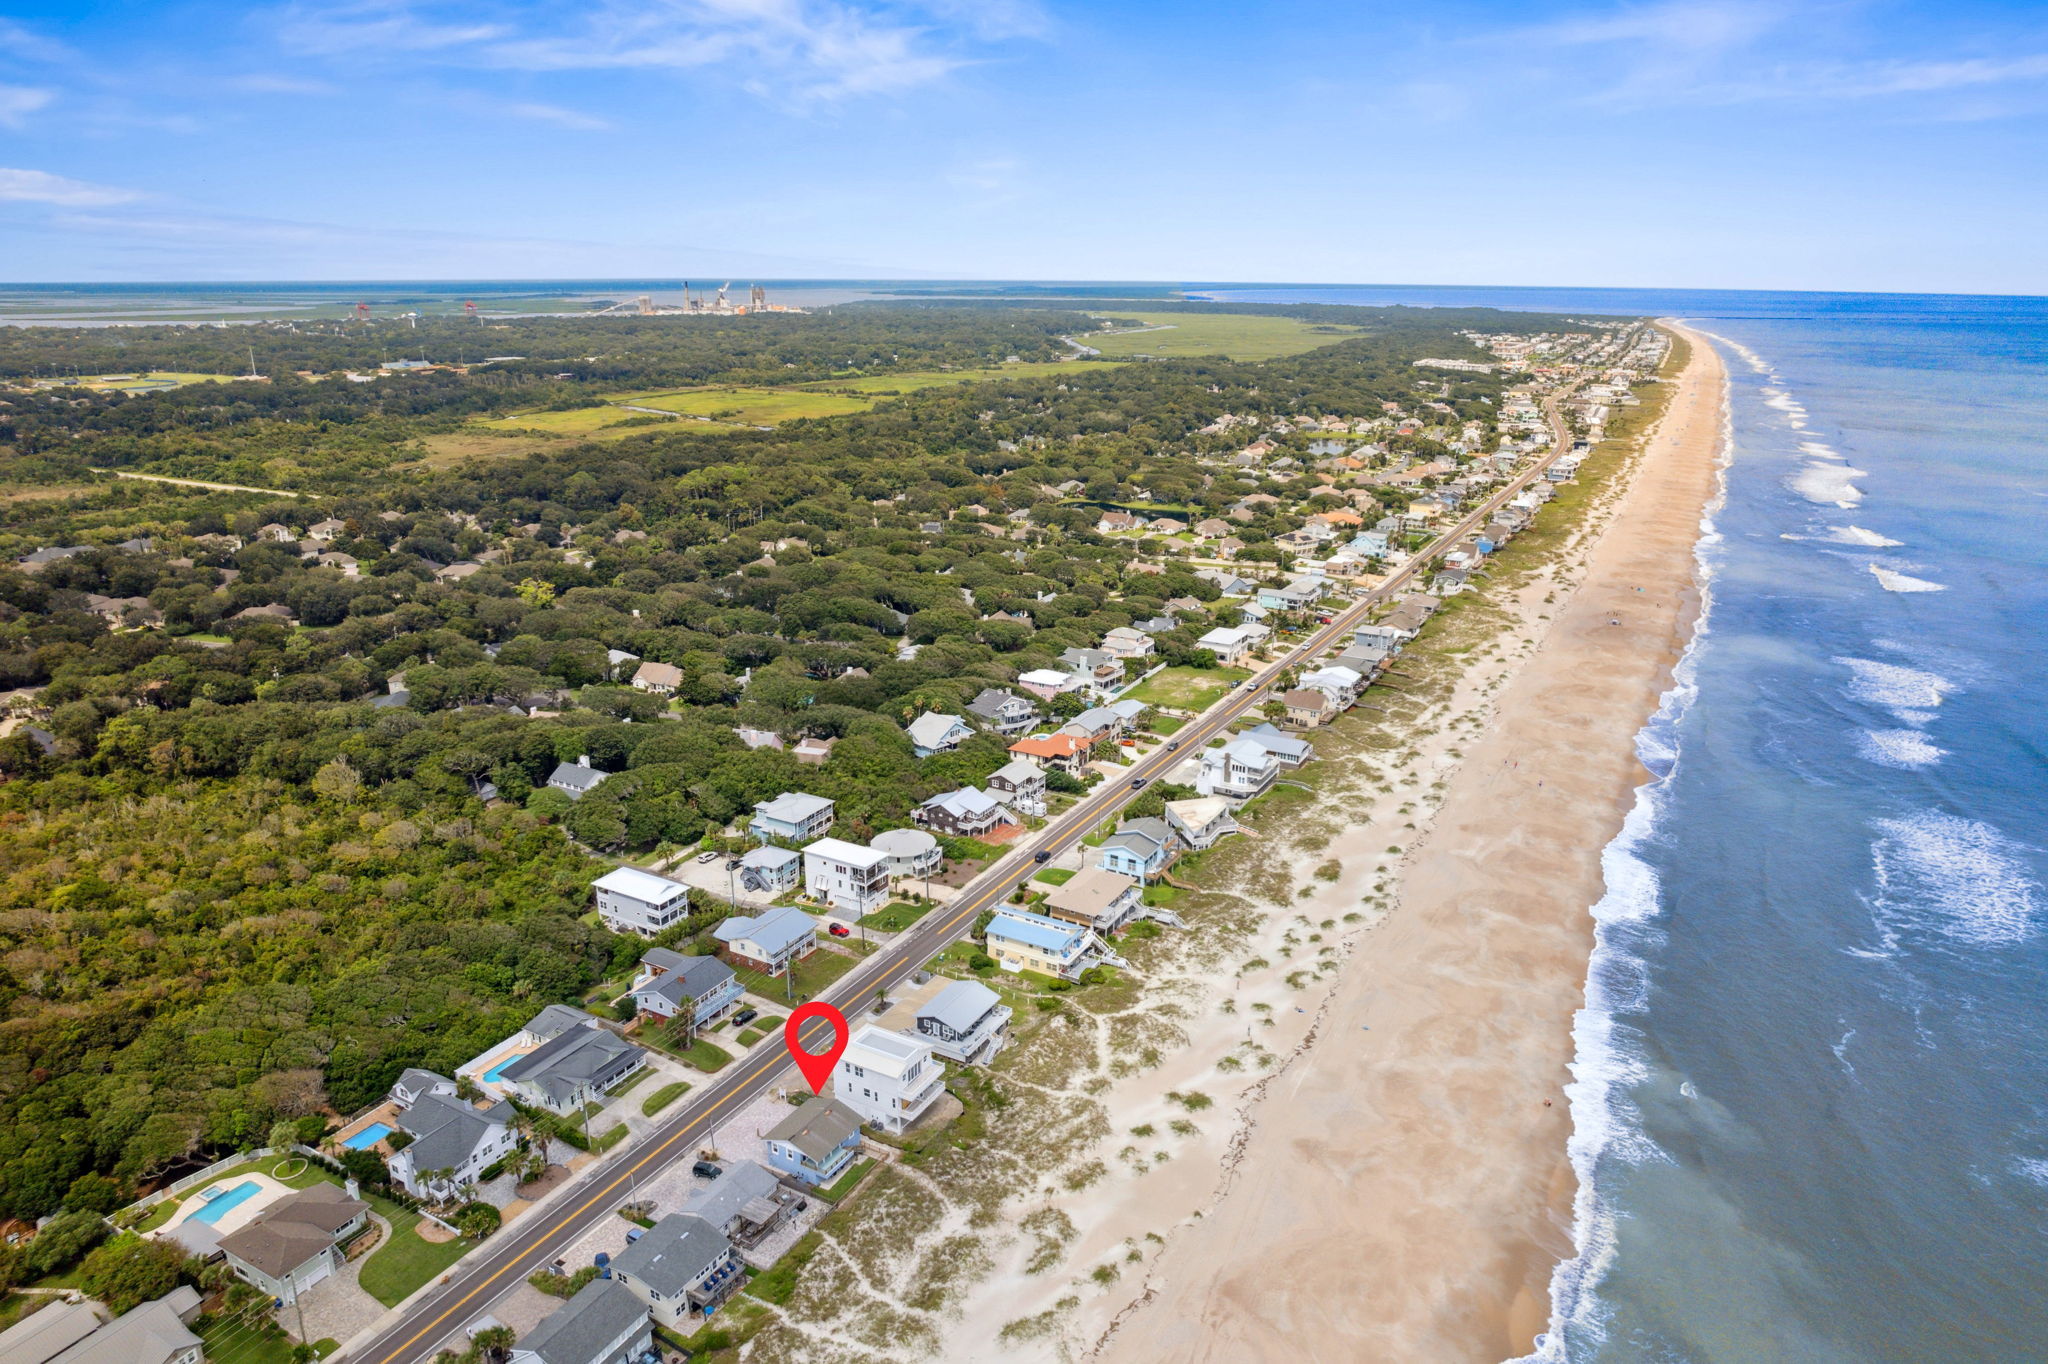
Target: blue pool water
369,1136
218,1201
491,1075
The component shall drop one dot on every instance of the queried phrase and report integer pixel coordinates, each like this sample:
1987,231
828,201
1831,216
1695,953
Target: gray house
453,1141
671,984
682,1267
577,779
816,1143
965,1022
1003,711
746,1203
572,1068
79,1333
603,1324
296,1242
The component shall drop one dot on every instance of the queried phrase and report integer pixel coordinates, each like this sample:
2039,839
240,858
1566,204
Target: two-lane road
532,1243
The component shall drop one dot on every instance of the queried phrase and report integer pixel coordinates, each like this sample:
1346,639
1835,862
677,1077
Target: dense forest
233,891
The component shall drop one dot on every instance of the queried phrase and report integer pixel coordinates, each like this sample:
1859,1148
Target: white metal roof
641,885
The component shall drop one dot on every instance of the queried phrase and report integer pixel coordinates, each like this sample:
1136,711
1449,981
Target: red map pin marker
816,1066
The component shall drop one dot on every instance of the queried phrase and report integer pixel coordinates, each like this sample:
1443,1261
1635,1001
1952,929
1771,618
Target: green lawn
606,1141
708,1057
404,1263
750,1037
1054,876
845,1184
819,970
663,1097
577,421
1239,337
1164,725
894,918
624,1085
751,406
1186,688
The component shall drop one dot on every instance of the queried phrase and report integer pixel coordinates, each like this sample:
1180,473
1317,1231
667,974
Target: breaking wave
1903,748
1829,483
1856,535
1960,877
1910,693
1892,581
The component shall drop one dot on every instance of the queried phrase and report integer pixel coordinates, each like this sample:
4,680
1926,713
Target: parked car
839,930
745,1016
704,857
704,1169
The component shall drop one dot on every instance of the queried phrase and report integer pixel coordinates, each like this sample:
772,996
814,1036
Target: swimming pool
491,1075
369,1136
215,1202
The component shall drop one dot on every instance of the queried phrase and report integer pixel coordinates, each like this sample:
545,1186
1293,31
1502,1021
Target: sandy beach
1402,1191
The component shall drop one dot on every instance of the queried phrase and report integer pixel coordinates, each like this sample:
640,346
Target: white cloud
560,117
41,187
789,50
17,102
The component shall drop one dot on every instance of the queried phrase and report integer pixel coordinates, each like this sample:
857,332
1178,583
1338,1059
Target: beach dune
1404,1191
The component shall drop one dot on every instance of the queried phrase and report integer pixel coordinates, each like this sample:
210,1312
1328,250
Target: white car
703,858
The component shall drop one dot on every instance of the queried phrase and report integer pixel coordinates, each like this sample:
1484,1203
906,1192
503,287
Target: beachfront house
1307,708
1201,821
630,900
816,1142
966,1022
888,1078
1096,898
1023,941
670,985
1340,683
770,942
1290,750
297,1241
847,876
1005,712
793,818
1238,771
682,1268
602,1324
932,733
1140,849
452,1141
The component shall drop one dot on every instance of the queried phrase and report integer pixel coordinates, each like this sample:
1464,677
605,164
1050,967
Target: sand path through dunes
1405,1191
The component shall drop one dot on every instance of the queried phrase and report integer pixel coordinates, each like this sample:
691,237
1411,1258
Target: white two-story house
630,900
1238,771
888,1078
850,878
793,818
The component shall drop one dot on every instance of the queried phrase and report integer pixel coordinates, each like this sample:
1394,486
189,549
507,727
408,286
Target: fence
198,1177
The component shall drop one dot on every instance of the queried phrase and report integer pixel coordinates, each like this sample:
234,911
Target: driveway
337,1307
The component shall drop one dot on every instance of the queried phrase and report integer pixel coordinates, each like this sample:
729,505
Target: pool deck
386,1113
237,1217
508,1050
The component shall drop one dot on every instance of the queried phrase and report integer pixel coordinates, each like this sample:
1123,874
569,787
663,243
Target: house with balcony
1096,898
1096,725
1022,941
630,900
1231,644
1125,642
1020,785
1002,711
683,1268
965,813
770,870
1299,594
1140,849
604,1323
572,1068
1054,752
1307,708
772,942
672,985
793,818
746,1203
1340,683
966,1022
888,1078
1046,683
932,733
1098,668
452,1140
911,852
1291,750
1238,771
1199,822
816,1143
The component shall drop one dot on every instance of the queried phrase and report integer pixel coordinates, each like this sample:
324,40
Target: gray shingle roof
817,1128
570,1061
578,1331
446,1131
674,1254
960,1005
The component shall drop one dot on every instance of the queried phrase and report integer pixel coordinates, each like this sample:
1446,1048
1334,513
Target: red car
839,930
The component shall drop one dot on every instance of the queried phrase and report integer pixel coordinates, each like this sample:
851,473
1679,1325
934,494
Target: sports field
1239,337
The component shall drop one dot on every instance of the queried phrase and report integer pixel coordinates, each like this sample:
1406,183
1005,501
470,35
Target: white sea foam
1607,1054
1818,450
2032,1169
1841,1051
1903,748
1961,877
1832,484
1856,535
1910,693
1892,581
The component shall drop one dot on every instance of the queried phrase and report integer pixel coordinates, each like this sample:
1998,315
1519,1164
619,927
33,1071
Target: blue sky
1689,143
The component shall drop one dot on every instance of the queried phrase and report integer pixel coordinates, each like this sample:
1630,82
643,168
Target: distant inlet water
1810,1096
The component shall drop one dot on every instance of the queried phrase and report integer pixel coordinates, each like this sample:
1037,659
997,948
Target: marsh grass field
1238,337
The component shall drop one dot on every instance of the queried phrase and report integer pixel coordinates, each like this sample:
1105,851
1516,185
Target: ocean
1810,1096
